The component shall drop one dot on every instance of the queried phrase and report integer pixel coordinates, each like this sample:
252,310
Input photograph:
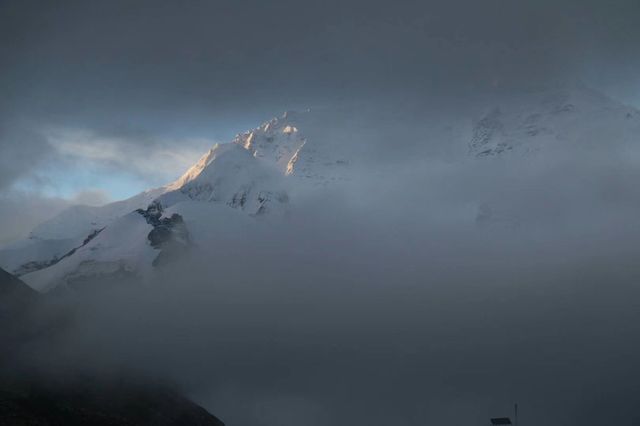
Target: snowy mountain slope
79,221
55,238
257,174
117,250
227,173
32,254
230,175
228,178
573,123
574,118
252,177
135,246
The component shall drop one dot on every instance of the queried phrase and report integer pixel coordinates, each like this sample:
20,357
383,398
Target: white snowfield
80,221
121,247
262,171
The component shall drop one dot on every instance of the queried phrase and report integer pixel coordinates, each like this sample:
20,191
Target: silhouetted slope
88,403
13,291
28,397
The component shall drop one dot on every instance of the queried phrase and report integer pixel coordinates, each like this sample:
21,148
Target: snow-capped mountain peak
300,144
251,175
231,175
548,119
264,169
276,141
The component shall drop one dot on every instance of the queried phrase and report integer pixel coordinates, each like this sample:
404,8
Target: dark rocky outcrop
33,266
152,214
168,230
169,234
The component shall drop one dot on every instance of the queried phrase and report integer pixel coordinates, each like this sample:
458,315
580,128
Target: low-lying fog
387,302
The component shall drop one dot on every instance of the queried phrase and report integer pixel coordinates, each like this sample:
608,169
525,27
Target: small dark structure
506,420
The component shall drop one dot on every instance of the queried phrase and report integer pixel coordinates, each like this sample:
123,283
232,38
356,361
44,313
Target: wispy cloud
162,160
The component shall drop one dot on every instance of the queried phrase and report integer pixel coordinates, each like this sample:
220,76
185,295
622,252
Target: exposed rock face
488,136
34,265
169,234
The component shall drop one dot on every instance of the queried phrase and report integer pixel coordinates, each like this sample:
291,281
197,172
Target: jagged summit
295,144
300,144
230,175
276,141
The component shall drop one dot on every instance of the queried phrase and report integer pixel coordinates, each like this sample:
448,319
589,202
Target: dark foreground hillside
61,400
104,405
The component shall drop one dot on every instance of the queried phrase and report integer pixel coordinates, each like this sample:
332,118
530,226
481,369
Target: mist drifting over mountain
298,213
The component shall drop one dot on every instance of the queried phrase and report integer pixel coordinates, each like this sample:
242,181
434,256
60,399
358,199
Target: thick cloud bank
386,301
